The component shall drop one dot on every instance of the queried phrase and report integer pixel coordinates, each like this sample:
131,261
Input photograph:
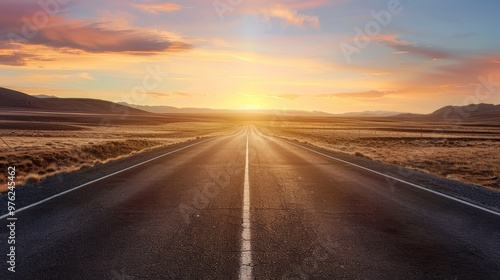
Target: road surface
251,206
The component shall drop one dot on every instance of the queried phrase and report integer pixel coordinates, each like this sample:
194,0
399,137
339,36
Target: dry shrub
468,153
31,168
32,179
360,154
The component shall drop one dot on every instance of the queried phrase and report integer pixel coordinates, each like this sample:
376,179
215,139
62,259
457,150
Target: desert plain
41,149
467,152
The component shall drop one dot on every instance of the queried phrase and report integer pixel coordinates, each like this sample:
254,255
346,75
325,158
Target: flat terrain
42,149
468,152
311,217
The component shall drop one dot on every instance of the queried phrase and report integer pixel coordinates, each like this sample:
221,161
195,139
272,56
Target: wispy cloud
14,59
389,39
308,4
468,69
170,95
426,52
287,16
76,36
85,75
404,47
46,78
61,33
372,94
156,8
288,96
378,74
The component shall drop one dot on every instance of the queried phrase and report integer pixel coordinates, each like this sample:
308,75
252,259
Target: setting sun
251,102
330,56
251,106
232,139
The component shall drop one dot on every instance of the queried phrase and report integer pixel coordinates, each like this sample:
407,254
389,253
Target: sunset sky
334,56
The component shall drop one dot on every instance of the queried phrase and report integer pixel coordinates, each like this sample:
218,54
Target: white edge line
399,180
99,179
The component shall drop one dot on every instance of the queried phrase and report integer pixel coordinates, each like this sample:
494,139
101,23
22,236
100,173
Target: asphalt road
251,206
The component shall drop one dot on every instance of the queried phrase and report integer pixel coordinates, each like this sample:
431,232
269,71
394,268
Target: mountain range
175,110
455,114
11,99
15,100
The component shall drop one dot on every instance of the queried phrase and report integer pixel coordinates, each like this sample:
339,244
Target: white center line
246,246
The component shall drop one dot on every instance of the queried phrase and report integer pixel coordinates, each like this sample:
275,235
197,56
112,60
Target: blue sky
256,54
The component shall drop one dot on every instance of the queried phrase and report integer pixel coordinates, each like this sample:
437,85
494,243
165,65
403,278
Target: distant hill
15,100
175,110
44,96
470,113
11,99
370,114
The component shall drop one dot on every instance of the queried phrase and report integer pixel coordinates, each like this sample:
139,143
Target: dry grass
469,153
38,151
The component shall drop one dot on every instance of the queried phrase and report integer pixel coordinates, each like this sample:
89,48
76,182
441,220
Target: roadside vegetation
469,153
41,150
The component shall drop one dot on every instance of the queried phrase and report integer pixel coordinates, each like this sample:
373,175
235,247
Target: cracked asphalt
311,217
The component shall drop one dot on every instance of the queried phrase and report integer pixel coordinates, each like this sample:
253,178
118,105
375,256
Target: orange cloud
288,16
169,95
84,75
75,35
66,35
292,4
46,78
288,96
372,94
14,59
378,74
155,8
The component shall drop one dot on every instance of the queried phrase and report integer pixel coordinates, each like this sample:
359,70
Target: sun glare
251,106
251,102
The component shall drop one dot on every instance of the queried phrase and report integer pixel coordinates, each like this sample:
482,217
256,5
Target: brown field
468,152
42,149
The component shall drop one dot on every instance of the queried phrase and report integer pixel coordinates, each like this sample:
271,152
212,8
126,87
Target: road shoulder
478,195
33,193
